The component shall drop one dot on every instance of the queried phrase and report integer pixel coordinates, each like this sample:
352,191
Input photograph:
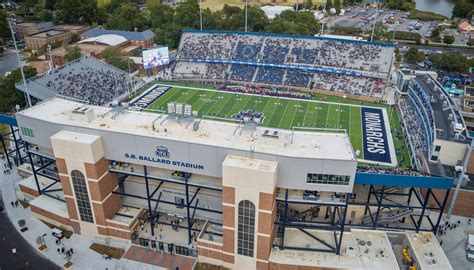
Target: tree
9,95
76,11
435,34
448,39
113,56
462,9
412,55
337,6
187,14
168,35
5,33
160,15
127,17
293,23
451,61
398,57
418,41
470,42
72,53
114,5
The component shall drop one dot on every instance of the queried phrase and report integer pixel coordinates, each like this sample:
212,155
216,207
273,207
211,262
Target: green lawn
283,113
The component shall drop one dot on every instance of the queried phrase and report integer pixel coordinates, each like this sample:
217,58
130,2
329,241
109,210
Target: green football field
279,112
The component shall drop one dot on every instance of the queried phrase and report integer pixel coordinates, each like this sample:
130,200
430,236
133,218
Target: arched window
82,197
246,228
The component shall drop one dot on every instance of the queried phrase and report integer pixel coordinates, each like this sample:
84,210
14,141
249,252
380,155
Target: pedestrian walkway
167,261
83,257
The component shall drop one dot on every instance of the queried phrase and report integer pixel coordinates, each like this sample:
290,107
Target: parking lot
363,18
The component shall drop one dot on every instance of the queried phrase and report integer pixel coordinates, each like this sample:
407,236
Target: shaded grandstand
86,79
352,67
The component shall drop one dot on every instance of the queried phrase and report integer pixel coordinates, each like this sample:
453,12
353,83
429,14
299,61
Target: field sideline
279,112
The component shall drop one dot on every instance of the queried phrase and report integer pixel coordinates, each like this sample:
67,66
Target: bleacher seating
88,80
371,61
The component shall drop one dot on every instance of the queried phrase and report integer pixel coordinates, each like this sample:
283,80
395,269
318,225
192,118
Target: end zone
376,137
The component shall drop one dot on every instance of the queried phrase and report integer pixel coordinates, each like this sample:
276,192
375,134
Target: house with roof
142,39
466,28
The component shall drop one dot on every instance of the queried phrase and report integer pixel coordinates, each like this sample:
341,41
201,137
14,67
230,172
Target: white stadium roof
109,39
300,144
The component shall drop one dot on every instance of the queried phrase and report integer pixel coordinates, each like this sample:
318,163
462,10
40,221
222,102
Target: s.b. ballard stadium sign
163,157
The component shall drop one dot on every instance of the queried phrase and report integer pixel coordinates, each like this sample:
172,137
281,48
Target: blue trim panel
5,119
306,68
404,181
290,36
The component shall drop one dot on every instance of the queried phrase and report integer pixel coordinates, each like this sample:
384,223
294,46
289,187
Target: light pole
246,13
200,13
375,21
324,12
461,176
28,99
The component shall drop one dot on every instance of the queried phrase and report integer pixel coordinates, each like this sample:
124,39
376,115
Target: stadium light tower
375,22
28,99
246,13
461,176
324,12
200,13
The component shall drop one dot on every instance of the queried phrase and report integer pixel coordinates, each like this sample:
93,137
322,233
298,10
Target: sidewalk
83,258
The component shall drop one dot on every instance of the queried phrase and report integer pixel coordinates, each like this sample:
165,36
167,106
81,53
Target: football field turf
278,112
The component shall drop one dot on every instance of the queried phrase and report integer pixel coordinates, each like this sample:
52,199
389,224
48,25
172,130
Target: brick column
266,228
228,224
68,193
101,184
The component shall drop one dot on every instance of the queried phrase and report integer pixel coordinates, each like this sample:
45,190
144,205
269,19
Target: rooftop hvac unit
445,104
458,127
179,108
171,108
450,117
188,110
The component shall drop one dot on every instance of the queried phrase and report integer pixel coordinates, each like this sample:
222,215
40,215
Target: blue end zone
403,181
374,135
148,97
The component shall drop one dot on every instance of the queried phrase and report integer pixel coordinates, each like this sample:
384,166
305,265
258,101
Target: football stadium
248,151
291,114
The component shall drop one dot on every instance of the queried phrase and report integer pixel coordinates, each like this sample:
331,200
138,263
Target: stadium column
83,171
249,210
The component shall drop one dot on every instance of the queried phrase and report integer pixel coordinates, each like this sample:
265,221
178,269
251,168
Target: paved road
8,62
11,238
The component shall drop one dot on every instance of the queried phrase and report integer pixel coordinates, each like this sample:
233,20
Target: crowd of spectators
355,55
416,134
372,60
242,73
270,75
246,89
87,80
299,78
396,171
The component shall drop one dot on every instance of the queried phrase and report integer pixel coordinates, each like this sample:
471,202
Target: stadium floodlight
20,63
171,108
179,108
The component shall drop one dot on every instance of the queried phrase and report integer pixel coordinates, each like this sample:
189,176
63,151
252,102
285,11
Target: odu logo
162,151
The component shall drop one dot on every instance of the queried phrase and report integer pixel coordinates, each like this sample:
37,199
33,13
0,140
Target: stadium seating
261,52
270,75
88,80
